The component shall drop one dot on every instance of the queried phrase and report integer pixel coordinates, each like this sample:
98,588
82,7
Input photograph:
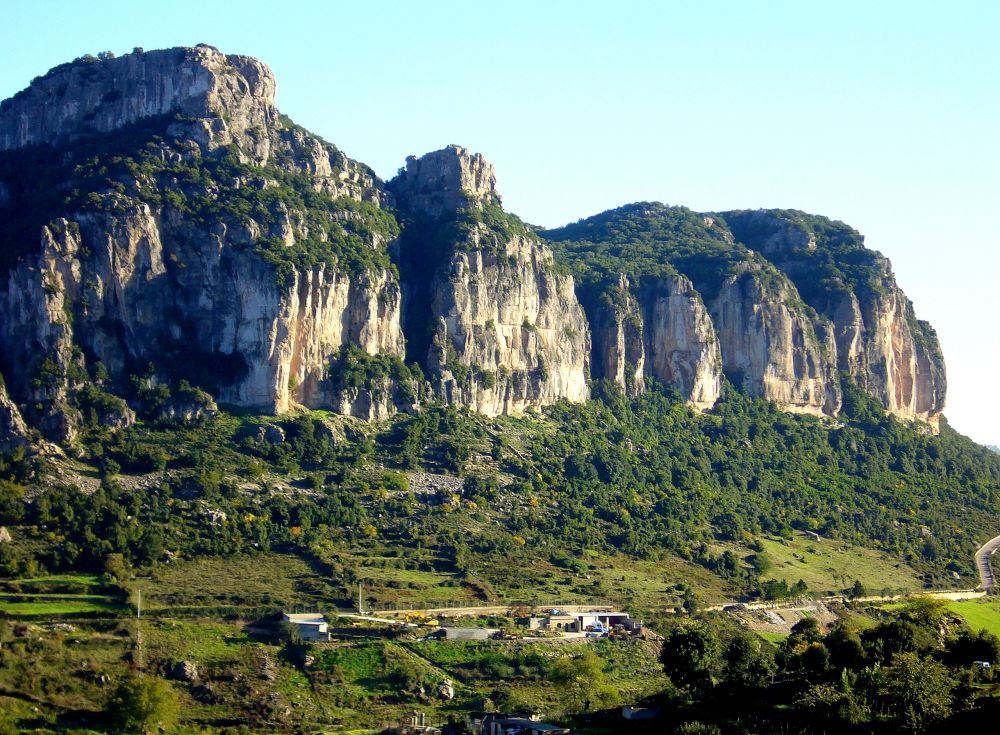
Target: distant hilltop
168,239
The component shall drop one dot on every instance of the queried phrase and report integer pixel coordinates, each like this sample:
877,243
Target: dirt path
983,563
499,609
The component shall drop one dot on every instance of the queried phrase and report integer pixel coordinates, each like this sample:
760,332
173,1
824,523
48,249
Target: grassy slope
44,607
245,580
831,565
979,614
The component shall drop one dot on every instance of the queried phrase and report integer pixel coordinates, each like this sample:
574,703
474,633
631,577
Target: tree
967,647
761,562
692,602
581,683
893,637
844,645
143,704
804,651
689,654
917,691
834,703
748,665
806,630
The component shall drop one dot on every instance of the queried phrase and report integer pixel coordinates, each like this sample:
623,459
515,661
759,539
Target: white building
587,621
311,626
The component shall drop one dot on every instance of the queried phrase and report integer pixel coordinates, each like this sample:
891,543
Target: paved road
983,563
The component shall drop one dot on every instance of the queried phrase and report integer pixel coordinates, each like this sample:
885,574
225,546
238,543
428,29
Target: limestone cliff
890,354
683,346
619,339
507,330
194,257
796,300
880,343
110,287
770,346
664,331
164,228
223,96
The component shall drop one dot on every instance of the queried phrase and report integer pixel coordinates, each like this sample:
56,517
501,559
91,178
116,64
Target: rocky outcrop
236,252
438,183
665,331
618,332
225,95
13,430
145,277
508,331
770,346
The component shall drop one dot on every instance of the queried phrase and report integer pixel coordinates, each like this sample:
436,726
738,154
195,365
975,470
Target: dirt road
453,612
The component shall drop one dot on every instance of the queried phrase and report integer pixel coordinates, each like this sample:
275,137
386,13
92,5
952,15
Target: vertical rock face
667,333
682,343
895,358
619,338
880,343
134,300
508,331
770,346
166,272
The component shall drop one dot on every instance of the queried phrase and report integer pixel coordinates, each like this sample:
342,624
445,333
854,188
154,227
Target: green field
979,614
202,641
59,594
89,580
830,565
50,605
772,637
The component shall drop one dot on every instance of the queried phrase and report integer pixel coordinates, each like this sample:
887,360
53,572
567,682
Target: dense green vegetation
643,478
825,259
646,241
354,368
910,670
146,163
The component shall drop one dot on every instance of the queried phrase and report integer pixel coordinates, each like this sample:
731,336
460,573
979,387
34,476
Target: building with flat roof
311,626
586,621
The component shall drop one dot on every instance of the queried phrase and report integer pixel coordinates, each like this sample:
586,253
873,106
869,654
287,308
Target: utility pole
138,607
361,610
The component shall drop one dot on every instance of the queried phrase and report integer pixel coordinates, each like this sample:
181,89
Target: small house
311,626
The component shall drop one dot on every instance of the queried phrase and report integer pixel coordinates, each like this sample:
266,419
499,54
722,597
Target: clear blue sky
885,114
